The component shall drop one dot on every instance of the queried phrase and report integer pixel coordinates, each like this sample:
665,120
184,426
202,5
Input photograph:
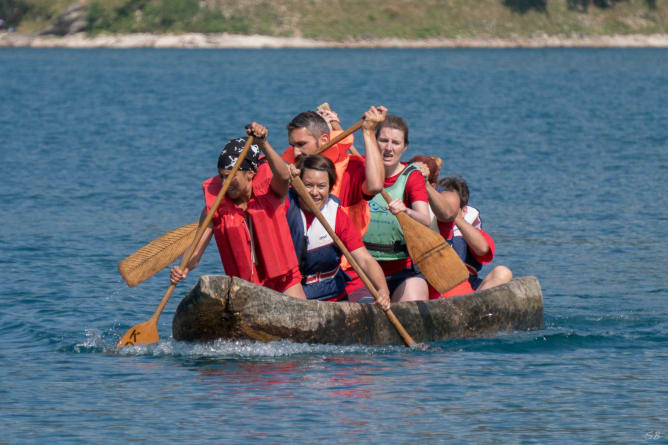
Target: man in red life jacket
358,175
250,226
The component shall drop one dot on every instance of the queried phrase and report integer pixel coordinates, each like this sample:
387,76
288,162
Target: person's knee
502,274
413,289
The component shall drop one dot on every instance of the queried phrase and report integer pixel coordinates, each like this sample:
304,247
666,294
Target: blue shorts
475,281
396,279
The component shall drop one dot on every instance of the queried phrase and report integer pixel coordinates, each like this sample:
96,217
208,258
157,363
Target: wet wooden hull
231,308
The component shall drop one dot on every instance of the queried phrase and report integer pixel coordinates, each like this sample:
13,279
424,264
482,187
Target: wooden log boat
230,308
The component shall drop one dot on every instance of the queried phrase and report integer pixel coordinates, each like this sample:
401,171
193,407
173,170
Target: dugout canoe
221,307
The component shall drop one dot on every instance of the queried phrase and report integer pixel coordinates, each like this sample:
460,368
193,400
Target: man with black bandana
250,227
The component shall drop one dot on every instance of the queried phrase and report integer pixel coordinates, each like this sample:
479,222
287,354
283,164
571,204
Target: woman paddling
319,257
384,237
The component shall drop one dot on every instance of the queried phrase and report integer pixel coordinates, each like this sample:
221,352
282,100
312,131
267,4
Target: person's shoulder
342,215
356,160
211,180
346,229
415,174
416,180
356,164
212,185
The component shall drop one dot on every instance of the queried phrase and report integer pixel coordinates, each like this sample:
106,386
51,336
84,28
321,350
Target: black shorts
395,280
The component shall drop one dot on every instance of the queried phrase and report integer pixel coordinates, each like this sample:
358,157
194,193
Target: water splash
94,342
247,349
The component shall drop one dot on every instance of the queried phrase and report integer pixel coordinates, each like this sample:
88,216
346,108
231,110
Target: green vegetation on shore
352,19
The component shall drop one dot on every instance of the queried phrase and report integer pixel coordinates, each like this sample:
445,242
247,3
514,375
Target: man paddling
358,175
250,226
308,131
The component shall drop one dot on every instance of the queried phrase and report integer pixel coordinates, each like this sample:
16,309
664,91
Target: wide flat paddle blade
141,334
438,262
157,255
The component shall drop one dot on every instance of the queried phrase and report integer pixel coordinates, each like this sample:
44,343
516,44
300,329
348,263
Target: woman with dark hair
384,238
319,256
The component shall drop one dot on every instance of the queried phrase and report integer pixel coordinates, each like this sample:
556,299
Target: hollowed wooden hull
230,308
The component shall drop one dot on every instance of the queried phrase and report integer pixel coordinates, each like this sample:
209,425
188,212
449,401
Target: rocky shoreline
81,40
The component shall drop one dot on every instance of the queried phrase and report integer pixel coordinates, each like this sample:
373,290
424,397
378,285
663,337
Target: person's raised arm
474,239
333,121
374,169
280,181
445,205
176,274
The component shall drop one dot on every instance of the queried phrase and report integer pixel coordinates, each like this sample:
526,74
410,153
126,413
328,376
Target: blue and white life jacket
319,257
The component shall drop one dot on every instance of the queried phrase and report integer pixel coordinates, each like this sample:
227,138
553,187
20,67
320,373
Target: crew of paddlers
267,235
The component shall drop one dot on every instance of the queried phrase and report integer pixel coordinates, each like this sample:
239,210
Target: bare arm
445,205
280,180
419,210
371,267
332,119
176,273
474,239
374,169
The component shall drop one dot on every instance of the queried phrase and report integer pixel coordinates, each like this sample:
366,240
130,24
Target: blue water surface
566,155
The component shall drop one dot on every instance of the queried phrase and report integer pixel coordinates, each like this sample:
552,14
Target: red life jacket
274,252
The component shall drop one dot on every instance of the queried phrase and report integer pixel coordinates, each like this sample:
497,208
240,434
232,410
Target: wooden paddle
157,254
161,252
147,332
437,260
299,187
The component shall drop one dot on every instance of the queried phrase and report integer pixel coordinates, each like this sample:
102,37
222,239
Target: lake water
566,154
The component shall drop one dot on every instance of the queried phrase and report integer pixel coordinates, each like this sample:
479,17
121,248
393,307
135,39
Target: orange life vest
275,255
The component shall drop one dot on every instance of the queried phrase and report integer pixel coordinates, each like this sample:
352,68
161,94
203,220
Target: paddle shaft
299,187
356,126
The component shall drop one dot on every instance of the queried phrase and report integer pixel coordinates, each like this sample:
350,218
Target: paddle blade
156,255
141,334
438,262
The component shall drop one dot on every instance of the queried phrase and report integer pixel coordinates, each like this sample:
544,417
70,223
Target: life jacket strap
398,246
321,276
